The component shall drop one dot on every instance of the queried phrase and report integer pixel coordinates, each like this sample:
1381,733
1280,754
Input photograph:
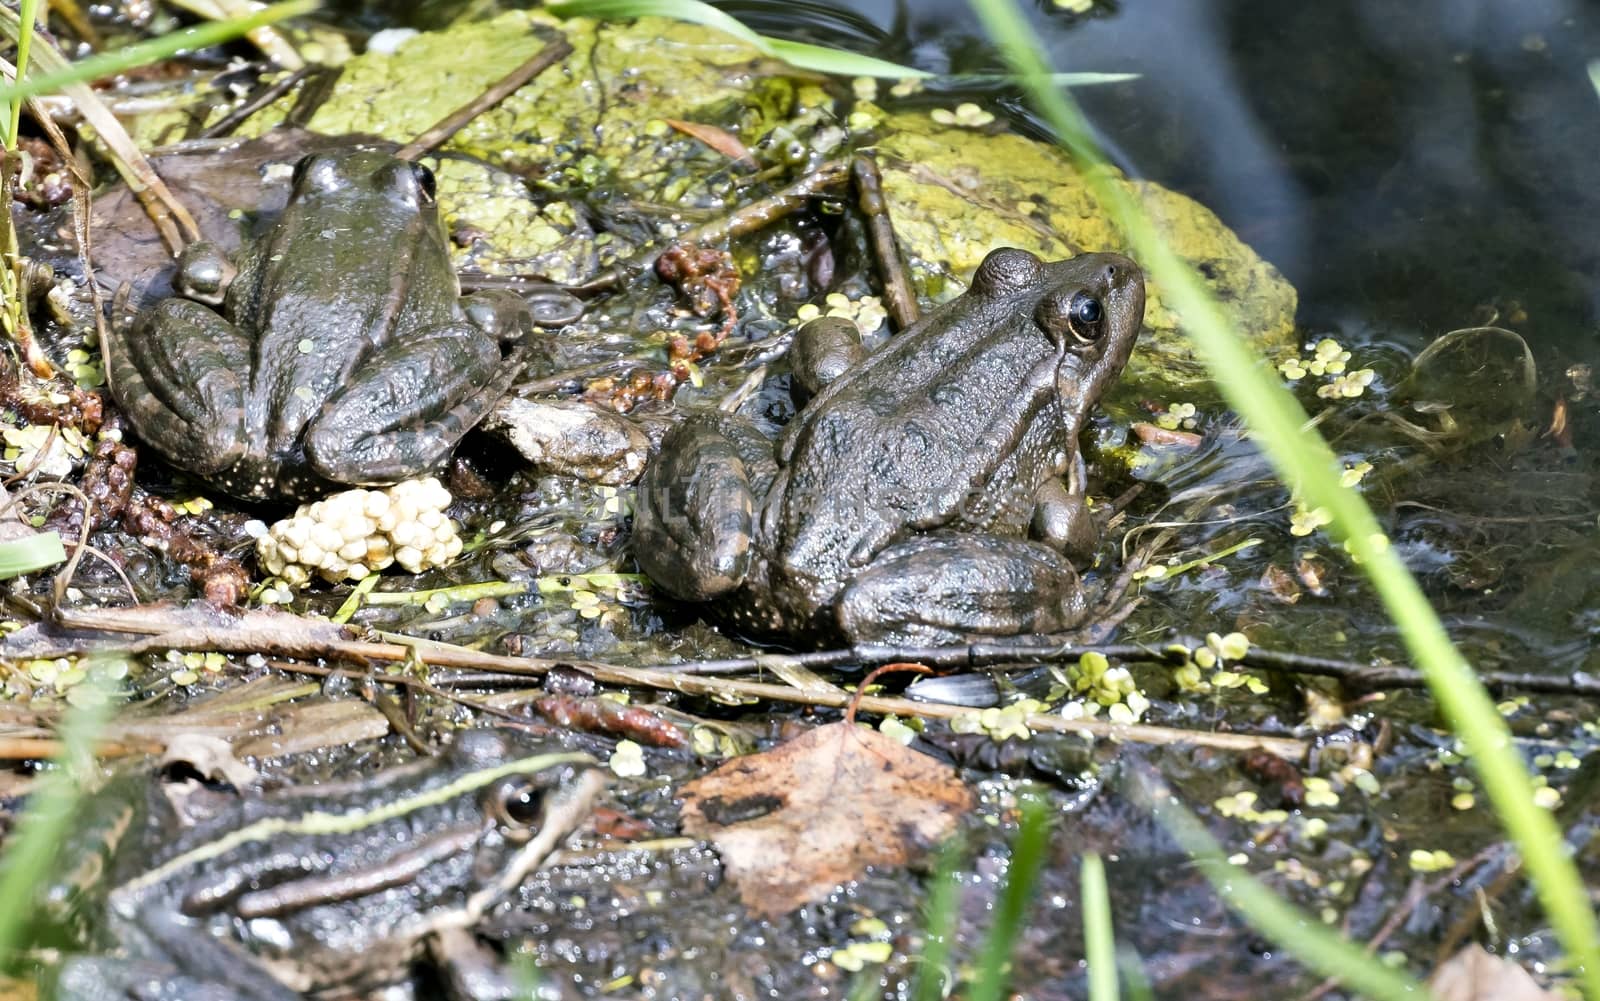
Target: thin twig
432,138
897,293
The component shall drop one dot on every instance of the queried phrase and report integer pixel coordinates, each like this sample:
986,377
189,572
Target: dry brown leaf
1474,975
794,822
721,140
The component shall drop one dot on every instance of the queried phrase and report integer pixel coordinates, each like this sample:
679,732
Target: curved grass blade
940,915
26,555
1059,79
1099,944
818,58
839,62
27,16
31,847
679,10
1027,858
1304,460
1306,938
154,50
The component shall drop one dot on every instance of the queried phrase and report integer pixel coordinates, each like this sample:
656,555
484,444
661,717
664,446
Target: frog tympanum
327,889
344,354
918,496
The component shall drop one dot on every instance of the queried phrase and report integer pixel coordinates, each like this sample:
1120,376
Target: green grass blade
934,973
1306,938
26,555
1303,459
1131,966
154,50
1027,858
1059,79
1099,945
30,849
840,62
679,10
27,15
817,58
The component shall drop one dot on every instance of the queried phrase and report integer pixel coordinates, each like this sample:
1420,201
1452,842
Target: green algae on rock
956,194
595,129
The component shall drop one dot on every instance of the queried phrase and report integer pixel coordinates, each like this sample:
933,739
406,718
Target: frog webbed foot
694,514
409,404
949,588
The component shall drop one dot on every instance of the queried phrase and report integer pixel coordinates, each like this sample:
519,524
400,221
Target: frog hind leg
408,405
951,588
694,511
184,395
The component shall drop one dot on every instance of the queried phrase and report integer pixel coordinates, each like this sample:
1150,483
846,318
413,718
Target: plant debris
794,822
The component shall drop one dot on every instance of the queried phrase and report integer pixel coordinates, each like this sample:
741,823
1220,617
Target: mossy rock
955,194
590,137
593,126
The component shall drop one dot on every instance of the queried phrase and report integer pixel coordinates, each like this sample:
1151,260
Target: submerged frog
344,354
918,496
330,890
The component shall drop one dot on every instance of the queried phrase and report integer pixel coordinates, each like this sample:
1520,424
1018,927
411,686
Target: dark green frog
344,354
330,890
918,497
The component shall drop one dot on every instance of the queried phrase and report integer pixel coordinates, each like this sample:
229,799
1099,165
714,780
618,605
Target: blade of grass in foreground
934,974
1027,858
810,57
152,51
31,848
1303,459
1099,945
27,15
1305,937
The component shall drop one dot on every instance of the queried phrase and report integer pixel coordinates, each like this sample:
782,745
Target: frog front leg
950,588
179,374
694,512
1061,516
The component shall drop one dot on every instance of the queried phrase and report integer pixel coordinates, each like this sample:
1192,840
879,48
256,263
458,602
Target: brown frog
918,497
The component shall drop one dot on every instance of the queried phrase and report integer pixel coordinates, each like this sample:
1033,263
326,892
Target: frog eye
517,806
1084,316
1006,270
425,183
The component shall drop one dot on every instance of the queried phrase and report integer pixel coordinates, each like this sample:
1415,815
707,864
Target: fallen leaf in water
1474,975
796,821
721,140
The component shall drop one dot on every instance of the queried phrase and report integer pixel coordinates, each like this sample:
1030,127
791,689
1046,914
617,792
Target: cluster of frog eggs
348,535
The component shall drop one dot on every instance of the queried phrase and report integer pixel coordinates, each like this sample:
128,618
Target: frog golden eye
517,805
1083,317
425,183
